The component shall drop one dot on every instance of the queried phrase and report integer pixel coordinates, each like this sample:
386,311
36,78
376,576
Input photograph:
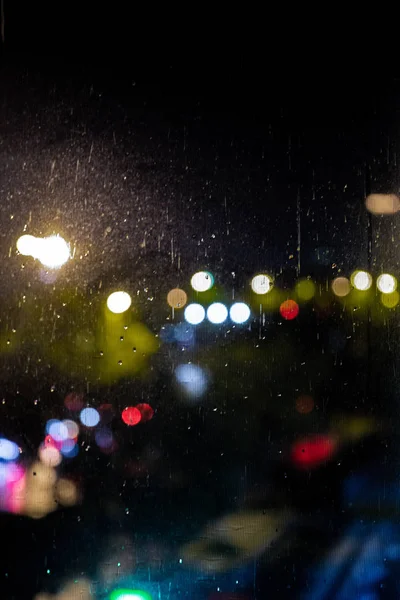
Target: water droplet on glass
125,327
101,353
14,330
53,387
121,339
127,511
8,342
134,349
120,362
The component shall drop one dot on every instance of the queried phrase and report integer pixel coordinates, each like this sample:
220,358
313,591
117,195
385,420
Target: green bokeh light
125,594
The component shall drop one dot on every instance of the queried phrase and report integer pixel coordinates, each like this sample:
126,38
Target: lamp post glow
52,252
119,302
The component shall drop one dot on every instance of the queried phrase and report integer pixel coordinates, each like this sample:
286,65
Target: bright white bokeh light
239,312
194,314
261,284
26,245
8,450
89,417
202,281
52,252
58,431
119,302
362,280
386,283
192,378
217,313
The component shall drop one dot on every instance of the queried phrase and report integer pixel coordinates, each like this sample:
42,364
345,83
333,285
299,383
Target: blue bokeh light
192,379
8,450
89,417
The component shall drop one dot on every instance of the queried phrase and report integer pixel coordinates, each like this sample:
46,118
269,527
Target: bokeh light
289,310
217,313
42,475
66,492
313,451
305,289
53,251
69,448
202,281
194,314
361,280
261,284
131,415
72,428
26,245
119,302
382,204
104,438
126,594
177,298
192,379
146,411
49,455
89,417
239,312
184,334
341,287
8,450
58,431
390,300
304,404
74,401
386,283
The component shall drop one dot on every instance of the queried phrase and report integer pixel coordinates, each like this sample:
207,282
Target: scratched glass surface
198,327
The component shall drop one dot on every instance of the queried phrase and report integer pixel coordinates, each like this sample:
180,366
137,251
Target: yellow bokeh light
361,280
261,284
202,281
390,300
341,287
119,302
305,289
386,283
177,298
382,204
66,492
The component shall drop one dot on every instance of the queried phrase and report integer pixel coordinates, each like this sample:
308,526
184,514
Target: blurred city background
199,316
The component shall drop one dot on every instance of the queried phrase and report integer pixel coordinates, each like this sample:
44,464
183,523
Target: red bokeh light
131,415
74,401
304,404
50,442
312,451
146,411
289,309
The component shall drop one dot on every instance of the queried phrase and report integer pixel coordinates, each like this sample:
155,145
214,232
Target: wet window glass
199,317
